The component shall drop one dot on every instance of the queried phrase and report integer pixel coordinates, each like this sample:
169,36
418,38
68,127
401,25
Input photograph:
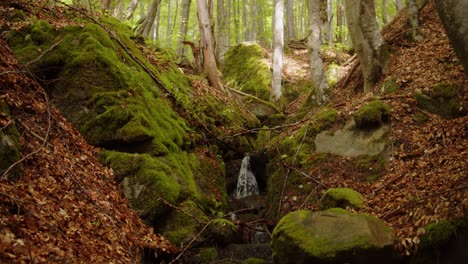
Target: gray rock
332,236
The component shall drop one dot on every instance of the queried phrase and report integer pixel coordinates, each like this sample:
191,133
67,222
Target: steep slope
66,206
420,177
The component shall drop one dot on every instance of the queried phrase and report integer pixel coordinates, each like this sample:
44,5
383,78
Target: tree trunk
221,32
316,63
236,21
330,28
339,20
413,20
278,43
131,9
385,15
455,21
366,38
399,5
323,20
228,25
148,21
289,20
245,22
105,5
184,18
209,62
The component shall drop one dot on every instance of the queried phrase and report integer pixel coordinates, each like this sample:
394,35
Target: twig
289,170
181,210
348,78
385,215
305,175
191,242
349,60
43,53
255,130
5,173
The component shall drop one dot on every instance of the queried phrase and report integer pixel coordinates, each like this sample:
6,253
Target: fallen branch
43,53
191,242
306,175
256,130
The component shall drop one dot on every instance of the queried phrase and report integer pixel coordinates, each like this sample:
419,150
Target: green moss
246,68
180,225
444,90
222,231
373,166
340,197
332,74
253,261
207,255
336,210
372,114
147,178
437,234
420,118
390,86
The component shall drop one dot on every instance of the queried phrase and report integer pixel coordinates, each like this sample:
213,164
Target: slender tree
366,38
413,19
209,61
324,26
385,14
221,31
184,18
399,5
453,16
131,9
278,45
289,20
316,63
146,24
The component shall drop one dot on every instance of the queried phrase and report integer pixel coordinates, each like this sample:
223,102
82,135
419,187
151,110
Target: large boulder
332,236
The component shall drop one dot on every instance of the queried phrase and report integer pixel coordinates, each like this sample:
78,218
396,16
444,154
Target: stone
340,197
352,142
332,236
9,145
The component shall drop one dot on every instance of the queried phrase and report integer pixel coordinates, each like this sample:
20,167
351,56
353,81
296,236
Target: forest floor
424,179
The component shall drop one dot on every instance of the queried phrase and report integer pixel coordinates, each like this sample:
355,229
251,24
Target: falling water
246,183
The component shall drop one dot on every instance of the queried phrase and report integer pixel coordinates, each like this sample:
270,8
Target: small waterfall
246,183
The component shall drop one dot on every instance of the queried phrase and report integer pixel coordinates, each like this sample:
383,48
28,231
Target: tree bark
105,5
221,32
385,15
289,20
148,21
366,38
209,62
323,20
184,18
236,21
278,44
399,5
413,20
339,20
455,21
245,22
131,9
316,63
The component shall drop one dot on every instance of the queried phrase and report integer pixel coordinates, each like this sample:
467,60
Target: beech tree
278,45
413,19
366,38
289,20
206,45
184,18
316,63
146,24
455,21
221,31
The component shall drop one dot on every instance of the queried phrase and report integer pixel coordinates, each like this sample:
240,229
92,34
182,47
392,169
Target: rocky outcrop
332,236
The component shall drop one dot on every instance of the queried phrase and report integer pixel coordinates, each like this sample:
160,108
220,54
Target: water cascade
246,183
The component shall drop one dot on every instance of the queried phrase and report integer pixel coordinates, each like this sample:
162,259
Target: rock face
352,142
332,236
340,197
441,100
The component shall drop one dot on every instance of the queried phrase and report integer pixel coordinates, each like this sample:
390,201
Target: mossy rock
314,237
9,145
106,94
145,179
341,197
443,242
223,232
372,115
247,69
180,226
207,255
441,100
